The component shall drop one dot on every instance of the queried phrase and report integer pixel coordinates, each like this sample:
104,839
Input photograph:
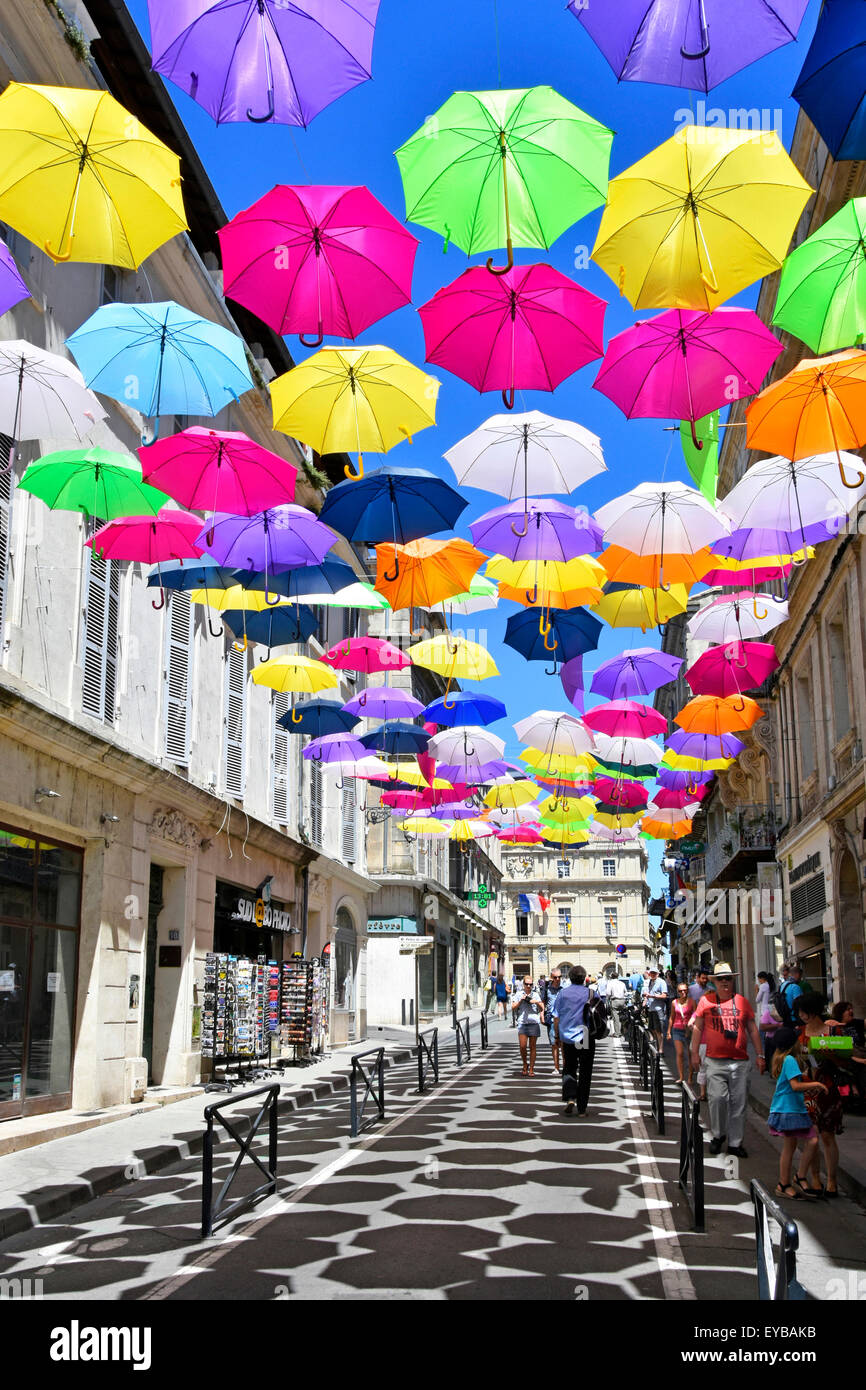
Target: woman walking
679,1023
789,1120
825,1106
767,1024
554,985
526,1010
503,989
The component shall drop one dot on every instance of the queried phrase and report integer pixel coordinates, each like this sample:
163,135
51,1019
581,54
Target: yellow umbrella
557,764
507,793
642,608
614,819
454,657
83,178
411,773
423,825
564,836
566,810
295,675
235,599
700,218
681,763
583,572
354,398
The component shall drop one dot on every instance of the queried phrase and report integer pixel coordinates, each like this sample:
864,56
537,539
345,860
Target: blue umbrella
392,504
569,632
183,575
831,87
465,707
273,627
396,737
329,576
161,359
317,718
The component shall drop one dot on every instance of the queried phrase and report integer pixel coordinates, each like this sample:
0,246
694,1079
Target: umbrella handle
525,530
445,704
508,399
210,628
712,287
502,269
154,437
355,477
555,806
161,604
59,255
259,120
531,598
363,699
547,671
339,785
315,342
861,477
698,443
738,709
297,718
759,616
389,578
701,54
550,646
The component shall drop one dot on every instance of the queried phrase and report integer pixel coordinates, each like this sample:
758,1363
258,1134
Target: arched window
345,961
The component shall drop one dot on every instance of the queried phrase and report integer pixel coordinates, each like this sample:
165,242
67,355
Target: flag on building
533,902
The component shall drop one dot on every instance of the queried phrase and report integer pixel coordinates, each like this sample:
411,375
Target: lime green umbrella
702,458
94,481
822,291
493,169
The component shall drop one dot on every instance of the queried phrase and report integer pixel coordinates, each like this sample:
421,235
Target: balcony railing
753,829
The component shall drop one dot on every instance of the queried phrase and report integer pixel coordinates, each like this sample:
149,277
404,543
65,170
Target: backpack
779,1008
595,1017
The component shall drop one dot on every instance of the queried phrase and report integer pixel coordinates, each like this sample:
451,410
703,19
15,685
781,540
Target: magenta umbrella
667,799
619,791
732,669
684,363
625,719
318,259
366,654
279,538
526,330
170,535
218,471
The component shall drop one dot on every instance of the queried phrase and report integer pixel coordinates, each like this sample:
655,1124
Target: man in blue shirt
578,1048
790,992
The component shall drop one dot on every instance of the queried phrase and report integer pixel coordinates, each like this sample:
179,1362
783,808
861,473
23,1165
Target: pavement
479,1189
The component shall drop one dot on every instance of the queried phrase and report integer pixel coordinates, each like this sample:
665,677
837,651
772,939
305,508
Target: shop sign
265,916
482,895
393,926
808,866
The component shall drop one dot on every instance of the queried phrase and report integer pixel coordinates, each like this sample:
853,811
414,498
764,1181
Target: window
563,868
7,482
522,924
316,817
564,915
805,736
99,686
348,813
177,679
234,721
839,679
279,759
112,284
345,957
608,868
610,920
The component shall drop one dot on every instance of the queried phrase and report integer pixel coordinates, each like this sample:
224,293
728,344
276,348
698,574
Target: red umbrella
667,799
733,668
526,330
626,719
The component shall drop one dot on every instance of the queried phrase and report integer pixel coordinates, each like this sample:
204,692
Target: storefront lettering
264,915
808,866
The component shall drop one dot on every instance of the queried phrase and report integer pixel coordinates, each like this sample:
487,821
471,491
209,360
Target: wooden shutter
101,611
234,721
315,803
348,846
279,759
178,679
7,482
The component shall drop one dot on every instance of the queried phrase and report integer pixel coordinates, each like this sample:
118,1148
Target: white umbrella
43,396
527,455
661,519
481,594
671,813
466,744
630,752
738,617
780,495
555,732
604,832
516,815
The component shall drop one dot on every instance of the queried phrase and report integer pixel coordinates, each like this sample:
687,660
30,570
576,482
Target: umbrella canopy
527,455
757,543
334,748
615,815
639,671
264,60
537,530
685,363
623,566
619,791
822,291
567,810
737,617
571,675
832,82
622,835
279,538
316,260
643,608
505,168
316,583
294,675
685,801
361,398
366,654
703,747
384,702
555,732
522,835
684,781
819,405
465,707
273,627
42,394
12,287
453,656
568,633
169,535
627,751
680,44
719,714
394,737
510,794
425,572
83,179
467,744
481,595
392,504
227,599
626,717
94,481
218,471
733,668
423,825
525,330
546,581
657,518
666,825
183,575
700,218
317,718
161,359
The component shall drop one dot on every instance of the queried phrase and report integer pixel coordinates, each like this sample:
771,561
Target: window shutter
280,759
315,803
178,663
234,721
99,687
349,822
7,482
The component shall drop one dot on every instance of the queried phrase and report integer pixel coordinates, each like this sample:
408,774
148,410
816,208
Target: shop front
253,924
40,918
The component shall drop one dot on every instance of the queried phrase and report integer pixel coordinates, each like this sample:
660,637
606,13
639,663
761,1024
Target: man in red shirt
726,1024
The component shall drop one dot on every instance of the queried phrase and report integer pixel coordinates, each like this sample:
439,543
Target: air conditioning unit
135,1078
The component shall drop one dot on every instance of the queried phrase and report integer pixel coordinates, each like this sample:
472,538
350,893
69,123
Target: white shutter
349,822
234,721
99,687
7,483
279,759
178,679
315,803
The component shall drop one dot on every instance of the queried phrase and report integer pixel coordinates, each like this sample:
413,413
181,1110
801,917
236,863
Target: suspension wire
498,49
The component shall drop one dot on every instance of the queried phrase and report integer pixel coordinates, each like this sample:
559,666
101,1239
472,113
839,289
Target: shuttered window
7,482
101,609
178,679
279,759
348,810
808,897
316,807
234,721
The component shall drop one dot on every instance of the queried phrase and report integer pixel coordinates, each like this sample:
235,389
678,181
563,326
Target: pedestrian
788,993
699,986
682,1012
789,1119
527,1008
514,991
656,999
578,1048
503,989
726,1023
554,985
617,998
767,1024
825,1109
697,989
601,986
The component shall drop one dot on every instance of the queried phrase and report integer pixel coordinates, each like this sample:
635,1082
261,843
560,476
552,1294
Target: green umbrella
822,292
494,169
94,481
702,461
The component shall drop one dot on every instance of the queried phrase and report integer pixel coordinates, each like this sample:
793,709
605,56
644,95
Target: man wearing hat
655,997
726,1023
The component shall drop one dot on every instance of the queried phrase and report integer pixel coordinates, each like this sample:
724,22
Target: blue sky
422,54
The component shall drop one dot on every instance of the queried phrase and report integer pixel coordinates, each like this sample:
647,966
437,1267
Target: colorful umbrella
525,330
703,748
395,737
454,657
384,702
12,286
467,745
832,82
94,481
531,581
628,751
506,168
392,504
555,732
522,835
625,718
218,471
666,825
465,707
657,518
43,395
643,608
684,363
83,178
737,618
481,595
571,675
639,671
333,581
623,835
366,654
822,291
619,791
528,455
273,627
510,794
425,572
334,748
718,714
684,781
624,567
682,44
317,718
361,398
183,575
785,495
614,816
537,530
733,668
161,359
700,218
756,543
294,675
820,405
263,60
568,633
423,825
685,801
169,535
278,538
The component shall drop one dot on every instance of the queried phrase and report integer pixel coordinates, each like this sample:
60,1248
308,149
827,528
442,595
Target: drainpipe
305,898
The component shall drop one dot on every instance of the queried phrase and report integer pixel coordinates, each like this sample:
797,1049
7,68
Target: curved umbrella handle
59,255
339,785
297,718
355,477
259,120
502,269
525,530
543,623
760,616
508,398
154,437
264,658
698,443
554,807
272,603
389,578
738,709
702,52
532,598
363,699
161,604
550,646
315,342
445,704
210,628
861,477
547,670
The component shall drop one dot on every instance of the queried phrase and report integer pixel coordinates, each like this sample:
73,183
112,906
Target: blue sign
392,926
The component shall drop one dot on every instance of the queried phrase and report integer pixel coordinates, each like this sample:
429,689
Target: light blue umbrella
161,359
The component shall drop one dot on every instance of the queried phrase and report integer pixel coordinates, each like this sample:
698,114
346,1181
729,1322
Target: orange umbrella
624,566
718,714
425,572
663,829
553,598
818,408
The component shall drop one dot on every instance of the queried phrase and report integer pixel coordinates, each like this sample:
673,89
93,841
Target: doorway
154,908
852,982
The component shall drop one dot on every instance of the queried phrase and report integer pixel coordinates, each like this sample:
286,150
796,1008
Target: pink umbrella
170,535
526,330
523,835
318,260
618,791
366,654
626,719
683,363
666,798
732,669
218,471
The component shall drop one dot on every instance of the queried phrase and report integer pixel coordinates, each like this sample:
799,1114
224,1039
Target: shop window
7,483
178,679
234,721
101,612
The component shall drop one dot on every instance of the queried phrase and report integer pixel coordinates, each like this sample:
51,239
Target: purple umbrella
688,43
455,810
383,702
281,538
639,671
476,772
263,60
553,531
571,676
754,542
335,748
12,287
704,746
678,781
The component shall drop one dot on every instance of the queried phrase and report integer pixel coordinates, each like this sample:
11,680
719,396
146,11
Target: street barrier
644,1059
217,1210
462,1036
373,1077
692,1157
484,1037
657,1087
428,1057
777,1271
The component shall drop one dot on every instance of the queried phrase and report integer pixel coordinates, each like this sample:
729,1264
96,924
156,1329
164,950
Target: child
789,1118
